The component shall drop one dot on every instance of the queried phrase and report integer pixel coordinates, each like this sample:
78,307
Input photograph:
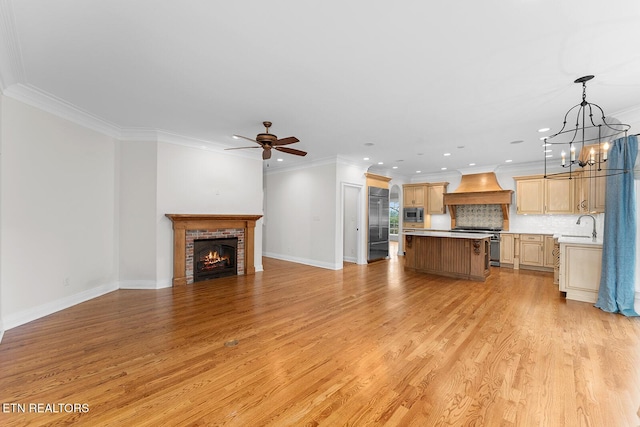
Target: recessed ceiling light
548,151
549,155
235,137
281,160
381,163
395,167
508,161
517,141
366,158
418,171
472,164
443,169
447,154
544,130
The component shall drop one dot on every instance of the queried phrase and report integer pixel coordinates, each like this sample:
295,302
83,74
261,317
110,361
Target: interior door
350,223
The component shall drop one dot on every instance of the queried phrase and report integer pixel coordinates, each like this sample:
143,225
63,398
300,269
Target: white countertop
574,239
454,235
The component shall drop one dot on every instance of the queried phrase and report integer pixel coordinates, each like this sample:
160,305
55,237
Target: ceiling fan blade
240,148
285,141
291,151
266,154
248,139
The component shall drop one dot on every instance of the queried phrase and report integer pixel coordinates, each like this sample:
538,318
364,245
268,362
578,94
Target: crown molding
60,108
40,99
11,65
300,166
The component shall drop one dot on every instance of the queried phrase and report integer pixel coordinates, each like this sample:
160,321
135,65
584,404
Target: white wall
82,214
57,218
137,212
301,216
193,180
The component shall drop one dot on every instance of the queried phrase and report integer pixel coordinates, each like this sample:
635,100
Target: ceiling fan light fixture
268,141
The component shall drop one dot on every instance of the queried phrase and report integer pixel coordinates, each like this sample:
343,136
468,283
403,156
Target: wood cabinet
548,252
559,196
592,190
532,250
529,251
435,199
537,195
413,195
507,248
580,266
530,196
556,262
460,257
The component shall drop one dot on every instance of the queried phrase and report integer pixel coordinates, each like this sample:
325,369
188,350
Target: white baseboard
31,314
145,284
311,262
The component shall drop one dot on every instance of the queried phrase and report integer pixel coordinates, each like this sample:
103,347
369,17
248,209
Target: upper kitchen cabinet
435,198
592,190
413,195
529,195
537,195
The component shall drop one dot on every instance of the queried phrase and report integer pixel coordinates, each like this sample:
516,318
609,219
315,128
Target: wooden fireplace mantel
184,222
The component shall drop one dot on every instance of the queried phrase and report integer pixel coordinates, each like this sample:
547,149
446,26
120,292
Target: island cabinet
448,254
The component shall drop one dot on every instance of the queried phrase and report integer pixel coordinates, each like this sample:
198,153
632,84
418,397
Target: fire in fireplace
213,258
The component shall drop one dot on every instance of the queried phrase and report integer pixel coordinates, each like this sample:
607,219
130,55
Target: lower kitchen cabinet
531,250
528,251
548,250
580,267
507,248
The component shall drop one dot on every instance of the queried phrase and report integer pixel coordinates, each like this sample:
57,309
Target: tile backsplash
479,216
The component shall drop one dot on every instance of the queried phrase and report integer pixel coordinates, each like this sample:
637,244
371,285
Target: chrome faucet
593,234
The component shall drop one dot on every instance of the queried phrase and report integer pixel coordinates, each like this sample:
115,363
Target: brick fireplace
188,228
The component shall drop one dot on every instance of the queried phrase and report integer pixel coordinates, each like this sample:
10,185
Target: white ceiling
416,79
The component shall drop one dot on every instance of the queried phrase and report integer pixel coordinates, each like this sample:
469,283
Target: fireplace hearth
213,258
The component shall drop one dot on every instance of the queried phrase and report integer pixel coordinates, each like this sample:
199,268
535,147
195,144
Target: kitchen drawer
531,237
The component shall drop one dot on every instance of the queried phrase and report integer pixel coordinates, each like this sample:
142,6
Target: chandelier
586,144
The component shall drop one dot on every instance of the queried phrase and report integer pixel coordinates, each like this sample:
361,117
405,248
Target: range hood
479,189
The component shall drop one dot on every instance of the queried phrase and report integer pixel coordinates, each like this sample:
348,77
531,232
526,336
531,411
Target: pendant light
586,144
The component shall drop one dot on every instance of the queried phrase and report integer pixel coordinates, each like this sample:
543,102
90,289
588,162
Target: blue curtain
617,281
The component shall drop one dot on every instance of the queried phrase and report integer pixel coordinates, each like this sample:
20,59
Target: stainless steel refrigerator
378,223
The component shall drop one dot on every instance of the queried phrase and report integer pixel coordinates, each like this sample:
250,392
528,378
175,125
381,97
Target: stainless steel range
494,255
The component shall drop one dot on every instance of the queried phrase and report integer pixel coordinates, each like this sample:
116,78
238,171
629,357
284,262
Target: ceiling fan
270,141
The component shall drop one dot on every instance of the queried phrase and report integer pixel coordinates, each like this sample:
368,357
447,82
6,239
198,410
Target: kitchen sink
575,236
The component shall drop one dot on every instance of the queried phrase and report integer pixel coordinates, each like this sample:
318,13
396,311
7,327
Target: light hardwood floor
367,345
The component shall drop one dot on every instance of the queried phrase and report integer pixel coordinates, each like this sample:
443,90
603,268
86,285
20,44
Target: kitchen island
459,255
